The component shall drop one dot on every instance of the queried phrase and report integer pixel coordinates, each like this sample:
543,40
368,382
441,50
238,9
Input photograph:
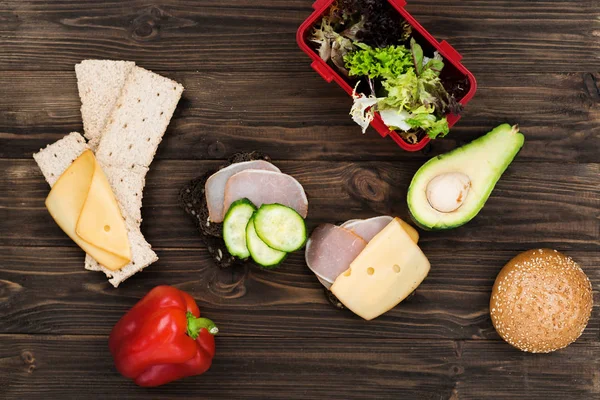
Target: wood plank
39,367
242,36
47,291
558,200
249,87
305,118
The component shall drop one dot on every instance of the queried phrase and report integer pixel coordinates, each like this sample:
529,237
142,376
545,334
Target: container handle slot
323,70
450,51
321,3
399,3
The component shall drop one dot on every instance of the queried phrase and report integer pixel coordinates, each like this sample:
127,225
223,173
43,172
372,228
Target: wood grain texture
240,36
299,116
524,201
311,368
47,291
249,87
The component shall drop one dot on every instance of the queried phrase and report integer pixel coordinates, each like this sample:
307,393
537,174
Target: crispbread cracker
128,186
133,132
141,253
53,161
55,158
100,83
139,120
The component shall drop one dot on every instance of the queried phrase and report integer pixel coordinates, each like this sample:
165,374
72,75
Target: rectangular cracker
53,161
128,185
133,132
139,120
142,255
56,157
100,83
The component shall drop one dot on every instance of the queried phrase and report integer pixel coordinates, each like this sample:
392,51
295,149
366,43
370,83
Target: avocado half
464,177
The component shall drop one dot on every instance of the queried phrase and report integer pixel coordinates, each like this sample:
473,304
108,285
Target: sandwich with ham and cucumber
248,209
368,265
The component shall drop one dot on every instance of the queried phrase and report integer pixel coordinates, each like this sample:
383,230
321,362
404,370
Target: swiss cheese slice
384,273
412,232
83,205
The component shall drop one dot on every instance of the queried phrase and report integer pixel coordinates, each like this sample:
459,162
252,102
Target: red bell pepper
162,338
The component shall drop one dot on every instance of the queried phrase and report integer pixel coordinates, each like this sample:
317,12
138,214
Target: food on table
330,250
129,140
266,187
406,89
389,269
163,338
370,44
234,227
267,234
450,189
264,217
215,185
84,206
358,263
541,301
68,149
100,83
280,227
261,253
368,228
193,199
126,111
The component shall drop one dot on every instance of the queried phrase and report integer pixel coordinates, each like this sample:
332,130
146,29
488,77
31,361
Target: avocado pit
447,192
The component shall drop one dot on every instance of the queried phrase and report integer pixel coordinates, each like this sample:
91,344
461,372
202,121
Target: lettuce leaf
395,119
414,96
423,119
333,45
385,63
362,112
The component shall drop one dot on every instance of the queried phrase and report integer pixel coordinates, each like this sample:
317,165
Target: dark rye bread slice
193,200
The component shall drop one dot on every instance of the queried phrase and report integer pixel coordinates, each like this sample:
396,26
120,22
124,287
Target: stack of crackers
125,110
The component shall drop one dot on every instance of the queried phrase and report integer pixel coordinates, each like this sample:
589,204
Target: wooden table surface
249,87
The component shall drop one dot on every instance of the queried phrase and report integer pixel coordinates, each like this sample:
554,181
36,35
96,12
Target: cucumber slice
234,227
262,254
280,227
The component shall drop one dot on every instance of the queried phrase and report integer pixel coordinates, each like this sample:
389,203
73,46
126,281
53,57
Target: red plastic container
453,68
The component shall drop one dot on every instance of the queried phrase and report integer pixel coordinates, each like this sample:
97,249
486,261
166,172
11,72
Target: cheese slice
412,232
100,222
384,273
83,205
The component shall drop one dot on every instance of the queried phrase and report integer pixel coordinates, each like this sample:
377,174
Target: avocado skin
513,147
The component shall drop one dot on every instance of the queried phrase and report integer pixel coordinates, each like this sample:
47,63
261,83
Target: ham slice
330,250
367,228
266,187
214,188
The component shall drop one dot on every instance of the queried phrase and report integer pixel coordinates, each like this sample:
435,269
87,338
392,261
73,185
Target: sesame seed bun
541,301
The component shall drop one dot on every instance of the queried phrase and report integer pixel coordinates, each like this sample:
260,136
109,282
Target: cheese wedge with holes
389,268
83,205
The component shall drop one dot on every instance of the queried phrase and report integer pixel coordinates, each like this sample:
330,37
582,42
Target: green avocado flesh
483,161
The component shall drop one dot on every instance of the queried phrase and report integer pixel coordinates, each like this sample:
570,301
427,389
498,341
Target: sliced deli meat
266,187
214,188
330,251
368,228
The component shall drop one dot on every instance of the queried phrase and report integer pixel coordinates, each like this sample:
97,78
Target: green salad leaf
386,63
412,97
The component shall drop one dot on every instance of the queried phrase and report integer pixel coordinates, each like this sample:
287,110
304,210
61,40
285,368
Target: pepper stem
195,324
